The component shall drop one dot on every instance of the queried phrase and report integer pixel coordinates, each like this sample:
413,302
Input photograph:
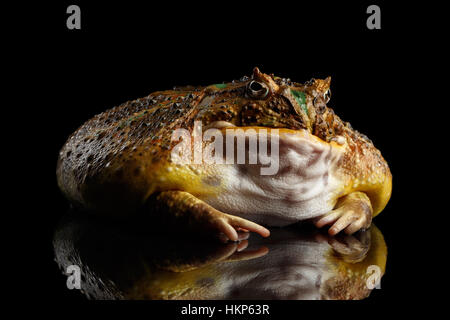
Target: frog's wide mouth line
222,142
283,133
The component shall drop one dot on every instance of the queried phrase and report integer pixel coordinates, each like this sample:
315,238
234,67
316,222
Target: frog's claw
352,213
196,214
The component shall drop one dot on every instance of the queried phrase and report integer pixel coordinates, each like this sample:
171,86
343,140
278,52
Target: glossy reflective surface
141,261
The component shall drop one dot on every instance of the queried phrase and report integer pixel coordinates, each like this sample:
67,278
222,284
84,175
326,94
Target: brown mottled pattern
120,143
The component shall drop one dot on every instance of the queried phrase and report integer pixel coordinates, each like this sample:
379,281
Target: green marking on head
301,99
221,85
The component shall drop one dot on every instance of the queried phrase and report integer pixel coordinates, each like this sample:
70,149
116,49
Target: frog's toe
353,213
223,226
346,221
359,224
242,236
242,240
228,226
327,219
238,223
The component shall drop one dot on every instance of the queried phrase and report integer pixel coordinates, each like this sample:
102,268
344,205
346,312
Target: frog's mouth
281,148
220,125
284,134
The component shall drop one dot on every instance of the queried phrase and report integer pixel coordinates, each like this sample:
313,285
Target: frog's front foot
353,212
192,213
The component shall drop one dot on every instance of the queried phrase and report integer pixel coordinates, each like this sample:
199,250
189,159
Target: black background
127,50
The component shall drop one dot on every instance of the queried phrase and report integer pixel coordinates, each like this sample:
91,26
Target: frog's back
97,162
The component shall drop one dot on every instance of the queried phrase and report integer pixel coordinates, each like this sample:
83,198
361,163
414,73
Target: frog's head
267,101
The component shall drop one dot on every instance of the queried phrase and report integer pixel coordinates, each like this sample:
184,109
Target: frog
121,161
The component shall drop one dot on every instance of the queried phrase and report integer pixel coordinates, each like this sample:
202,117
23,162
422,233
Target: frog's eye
257,90
327,95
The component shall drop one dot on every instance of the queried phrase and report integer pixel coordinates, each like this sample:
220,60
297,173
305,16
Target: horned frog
328,173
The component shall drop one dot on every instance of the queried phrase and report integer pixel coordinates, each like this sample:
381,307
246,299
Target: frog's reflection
125,262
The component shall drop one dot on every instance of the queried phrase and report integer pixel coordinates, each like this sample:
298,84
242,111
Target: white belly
303,187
